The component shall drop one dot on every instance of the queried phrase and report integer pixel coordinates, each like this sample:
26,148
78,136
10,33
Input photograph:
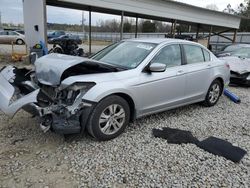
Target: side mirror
157,67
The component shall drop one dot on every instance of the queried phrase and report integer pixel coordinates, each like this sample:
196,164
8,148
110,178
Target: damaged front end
60,107
242,78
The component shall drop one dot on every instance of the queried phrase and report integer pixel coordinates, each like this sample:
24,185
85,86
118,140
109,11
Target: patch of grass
97,42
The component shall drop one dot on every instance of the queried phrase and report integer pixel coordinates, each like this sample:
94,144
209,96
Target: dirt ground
26,158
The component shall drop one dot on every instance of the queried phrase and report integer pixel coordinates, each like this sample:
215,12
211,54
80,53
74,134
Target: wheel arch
220,79
128,98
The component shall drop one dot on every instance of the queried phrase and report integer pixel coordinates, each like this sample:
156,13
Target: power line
0,20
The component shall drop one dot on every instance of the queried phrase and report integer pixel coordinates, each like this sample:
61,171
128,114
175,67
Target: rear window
194,54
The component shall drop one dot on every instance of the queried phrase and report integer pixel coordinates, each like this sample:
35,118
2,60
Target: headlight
85,86
248,78
70,93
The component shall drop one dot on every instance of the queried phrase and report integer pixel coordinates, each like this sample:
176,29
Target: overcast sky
11,11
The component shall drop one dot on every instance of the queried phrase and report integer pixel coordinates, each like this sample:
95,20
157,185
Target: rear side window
193,53
206,55
169,55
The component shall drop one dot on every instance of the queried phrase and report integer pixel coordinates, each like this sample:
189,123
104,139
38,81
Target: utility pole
83,30
1,21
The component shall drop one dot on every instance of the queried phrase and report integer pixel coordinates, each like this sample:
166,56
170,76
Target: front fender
98,92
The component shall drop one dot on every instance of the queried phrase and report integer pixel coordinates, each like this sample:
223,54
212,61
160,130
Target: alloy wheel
112,119
214,93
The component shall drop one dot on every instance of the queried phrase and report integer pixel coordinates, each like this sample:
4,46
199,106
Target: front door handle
209,65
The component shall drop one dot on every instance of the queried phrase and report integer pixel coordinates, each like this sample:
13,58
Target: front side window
193,53
12,33
127,54
3,33
169,55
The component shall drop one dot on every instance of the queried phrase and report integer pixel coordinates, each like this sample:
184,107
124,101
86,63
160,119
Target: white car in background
9,37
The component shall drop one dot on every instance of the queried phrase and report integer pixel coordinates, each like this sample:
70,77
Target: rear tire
213,94
109,118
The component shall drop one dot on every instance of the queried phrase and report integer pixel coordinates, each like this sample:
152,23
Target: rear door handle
209,65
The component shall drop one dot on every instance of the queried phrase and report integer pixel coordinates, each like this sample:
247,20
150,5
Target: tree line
113,25
242,10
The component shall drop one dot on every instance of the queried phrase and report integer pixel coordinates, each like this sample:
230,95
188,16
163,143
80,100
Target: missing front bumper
73,120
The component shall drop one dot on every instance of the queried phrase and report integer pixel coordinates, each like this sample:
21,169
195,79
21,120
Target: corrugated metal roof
163,10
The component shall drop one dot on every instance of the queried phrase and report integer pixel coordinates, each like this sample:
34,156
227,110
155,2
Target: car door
198,67
161,90
12,36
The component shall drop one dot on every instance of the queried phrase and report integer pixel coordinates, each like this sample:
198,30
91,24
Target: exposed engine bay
39,91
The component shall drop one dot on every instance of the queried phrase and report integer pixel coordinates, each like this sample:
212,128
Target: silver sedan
125,81
8,37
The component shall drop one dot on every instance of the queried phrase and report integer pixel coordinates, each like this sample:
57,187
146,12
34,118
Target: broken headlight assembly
69,94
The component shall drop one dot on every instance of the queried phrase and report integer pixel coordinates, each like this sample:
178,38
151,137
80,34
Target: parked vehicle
8,37
239,61
125,81
227,50
66,46
20,31
75,38
56,34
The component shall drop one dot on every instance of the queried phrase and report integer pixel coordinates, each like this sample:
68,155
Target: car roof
240,44
159,40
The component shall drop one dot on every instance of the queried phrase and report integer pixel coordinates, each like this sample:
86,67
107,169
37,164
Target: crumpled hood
51,68
237,64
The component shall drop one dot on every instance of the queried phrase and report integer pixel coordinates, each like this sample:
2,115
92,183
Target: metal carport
162,10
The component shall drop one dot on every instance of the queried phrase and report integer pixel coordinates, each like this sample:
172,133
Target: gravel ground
31,158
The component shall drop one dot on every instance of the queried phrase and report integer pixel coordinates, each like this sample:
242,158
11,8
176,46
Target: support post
209,36
174,28
136,27
121,32
171,29
235,35
90,31
197,32
35,26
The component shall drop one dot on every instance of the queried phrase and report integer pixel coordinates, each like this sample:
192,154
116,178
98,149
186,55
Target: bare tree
212,7
229,9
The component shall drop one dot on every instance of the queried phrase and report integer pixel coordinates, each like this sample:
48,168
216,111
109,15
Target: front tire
109,118
213,94
19,41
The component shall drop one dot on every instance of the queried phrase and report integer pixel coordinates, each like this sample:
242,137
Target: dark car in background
239,62
56,34
75,38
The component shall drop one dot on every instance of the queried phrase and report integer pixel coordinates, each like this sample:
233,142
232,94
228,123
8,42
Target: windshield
125,54
243,53
231,48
